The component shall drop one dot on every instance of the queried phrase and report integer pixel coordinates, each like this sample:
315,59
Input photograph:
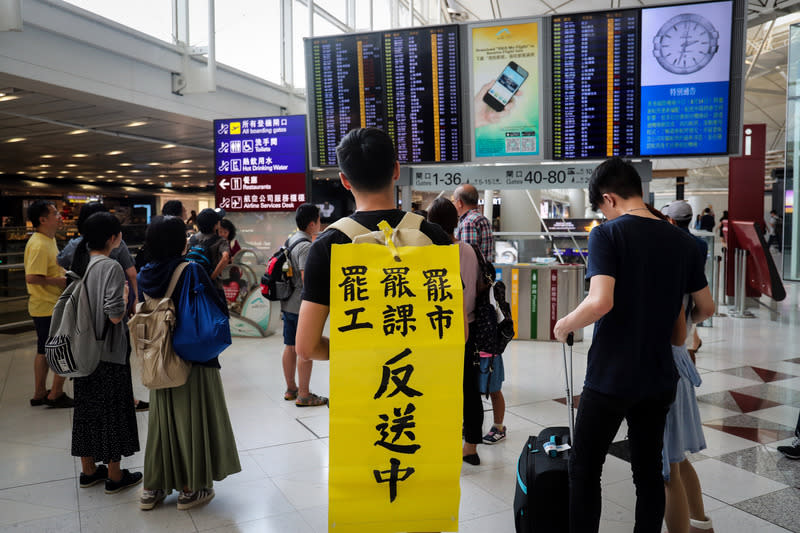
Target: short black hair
100,227
683,223
173,208
367,157
206,220
88,210
37,210
305,215
228,225
165,238
444,213
617,176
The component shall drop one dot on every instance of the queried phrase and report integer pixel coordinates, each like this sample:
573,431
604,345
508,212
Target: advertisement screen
260,163
505,82
685,81
595,84
405,82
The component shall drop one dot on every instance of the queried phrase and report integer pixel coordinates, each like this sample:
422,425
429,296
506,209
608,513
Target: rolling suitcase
541,500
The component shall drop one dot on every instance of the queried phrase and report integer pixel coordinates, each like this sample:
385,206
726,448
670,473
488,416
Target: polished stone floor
749,403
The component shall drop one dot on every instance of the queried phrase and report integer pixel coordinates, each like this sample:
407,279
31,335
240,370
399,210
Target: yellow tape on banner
397,356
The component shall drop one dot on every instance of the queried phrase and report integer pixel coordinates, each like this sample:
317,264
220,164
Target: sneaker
100,474
142,405
494,435
129,479
187,500
793,451
151,498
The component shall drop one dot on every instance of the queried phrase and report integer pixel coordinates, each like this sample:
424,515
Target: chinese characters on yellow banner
397,349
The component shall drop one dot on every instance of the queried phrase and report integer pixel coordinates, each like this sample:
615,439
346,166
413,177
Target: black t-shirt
316,279
654,264
707,223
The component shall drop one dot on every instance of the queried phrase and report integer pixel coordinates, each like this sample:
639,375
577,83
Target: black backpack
277,283
494,327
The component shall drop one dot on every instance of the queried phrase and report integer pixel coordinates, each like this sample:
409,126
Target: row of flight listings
644,82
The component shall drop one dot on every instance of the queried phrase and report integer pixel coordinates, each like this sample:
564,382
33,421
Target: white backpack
72,349
406,233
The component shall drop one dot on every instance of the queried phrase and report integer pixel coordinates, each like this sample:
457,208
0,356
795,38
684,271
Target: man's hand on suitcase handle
561,333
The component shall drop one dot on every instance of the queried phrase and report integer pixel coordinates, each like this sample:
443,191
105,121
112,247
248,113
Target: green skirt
189,436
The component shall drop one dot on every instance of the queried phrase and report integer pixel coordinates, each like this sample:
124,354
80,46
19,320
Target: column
577,202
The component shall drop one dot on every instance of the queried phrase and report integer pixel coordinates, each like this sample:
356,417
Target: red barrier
762,275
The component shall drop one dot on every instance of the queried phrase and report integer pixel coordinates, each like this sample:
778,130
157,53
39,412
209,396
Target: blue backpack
202,330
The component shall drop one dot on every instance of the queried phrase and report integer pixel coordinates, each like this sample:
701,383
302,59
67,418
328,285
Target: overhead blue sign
262,145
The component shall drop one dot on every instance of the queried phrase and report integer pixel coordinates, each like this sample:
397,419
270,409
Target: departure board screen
406,82
595,84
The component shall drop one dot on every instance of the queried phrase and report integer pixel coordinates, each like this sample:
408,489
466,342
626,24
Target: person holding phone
496,99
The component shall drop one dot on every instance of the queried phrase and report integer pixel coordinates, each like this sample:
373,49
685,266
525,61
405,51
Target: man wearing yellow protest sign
396,350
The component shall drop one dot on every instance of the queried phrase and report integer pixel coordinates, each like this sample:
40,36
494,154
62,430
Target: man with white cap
680,214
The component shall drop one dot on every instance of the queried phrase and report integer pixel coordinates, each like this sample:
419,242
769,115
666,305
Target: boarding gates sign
396,370
260,163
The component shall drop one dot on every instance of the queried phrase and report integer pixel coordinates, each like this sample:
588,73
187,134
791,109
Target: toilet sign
260,163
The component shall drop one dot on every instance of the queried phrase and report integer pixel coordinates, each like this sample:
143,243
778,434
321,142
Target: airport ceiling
69,134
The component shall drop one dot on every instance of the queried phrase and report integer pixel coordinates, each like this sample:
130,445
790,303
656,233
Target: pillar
488,203
517,213
577,202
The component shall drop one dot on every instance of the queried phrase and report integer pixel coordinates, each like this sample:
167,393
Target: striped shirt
474,228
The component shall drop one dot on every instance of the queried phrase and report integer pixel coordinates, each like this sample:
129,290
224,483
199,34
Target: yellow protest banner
396,370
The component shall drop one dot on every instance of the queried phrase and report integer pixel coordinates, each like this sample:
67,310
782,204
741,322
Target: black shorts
42,324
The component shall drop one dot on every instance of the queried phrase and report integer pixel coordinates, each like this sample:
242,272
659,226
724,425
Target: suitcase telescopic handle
568,378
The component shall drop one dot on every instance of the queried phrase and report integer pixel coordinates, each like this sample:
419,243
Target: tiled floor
749,403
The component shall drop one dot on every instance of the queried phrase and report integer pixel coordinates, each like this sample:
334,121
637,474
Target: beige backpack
151,339
406,233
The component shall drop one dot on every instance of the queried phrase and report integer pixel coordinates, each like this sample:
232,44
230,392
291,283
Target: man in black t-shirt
639,269
369,169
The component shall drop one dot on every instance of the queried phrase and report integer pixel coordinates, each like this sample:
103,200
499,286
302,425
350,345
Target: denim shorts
289,327
491,374
42,324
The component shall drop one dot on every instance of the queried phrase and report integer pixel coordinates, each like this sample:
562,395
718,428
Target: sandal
290,395
311,401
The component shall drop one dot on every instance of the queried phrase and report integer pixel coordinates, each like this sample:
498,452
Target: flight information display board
686,78
595,84
406,82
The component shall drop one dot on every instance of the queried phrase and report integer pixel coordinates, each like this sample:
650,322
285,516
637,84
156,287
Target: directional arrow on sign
224,184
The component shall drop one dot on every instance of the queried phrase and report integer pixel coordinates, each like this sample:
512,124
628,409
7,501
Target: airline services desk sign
396,368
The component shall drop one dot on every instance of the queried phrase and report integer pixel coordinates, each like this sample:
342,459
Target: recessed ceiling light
20,172
128,181
80,155
154,164
185,170
126,164
184,185
162,175
185,161
135,124
202,171
8,98
115,152
16,140
91,181
64,172
168,146
109,181
136,171
80,177
111,171
48,156
44,166
77,132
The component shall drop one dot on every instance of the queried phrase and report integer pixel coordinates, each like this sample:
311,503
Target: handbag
151,330
494,327
202,329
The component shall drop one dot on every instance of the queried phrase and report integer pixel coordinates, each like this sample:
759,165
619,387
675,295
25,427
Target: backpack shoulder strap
295,243
173,282
410,221
350,227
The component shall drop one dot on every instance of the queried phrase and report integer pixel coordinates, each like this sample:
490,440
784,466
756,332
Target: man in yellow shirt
45,281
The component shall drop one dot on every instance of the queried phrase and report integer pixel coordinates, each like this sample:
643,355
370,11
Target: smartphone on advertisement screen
506,86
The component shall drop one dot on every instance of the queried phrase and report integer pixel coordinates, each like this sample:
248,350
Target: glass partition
791,231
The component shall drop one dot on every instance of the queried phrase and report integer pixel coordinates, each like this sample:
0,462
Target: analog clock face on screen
685,43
